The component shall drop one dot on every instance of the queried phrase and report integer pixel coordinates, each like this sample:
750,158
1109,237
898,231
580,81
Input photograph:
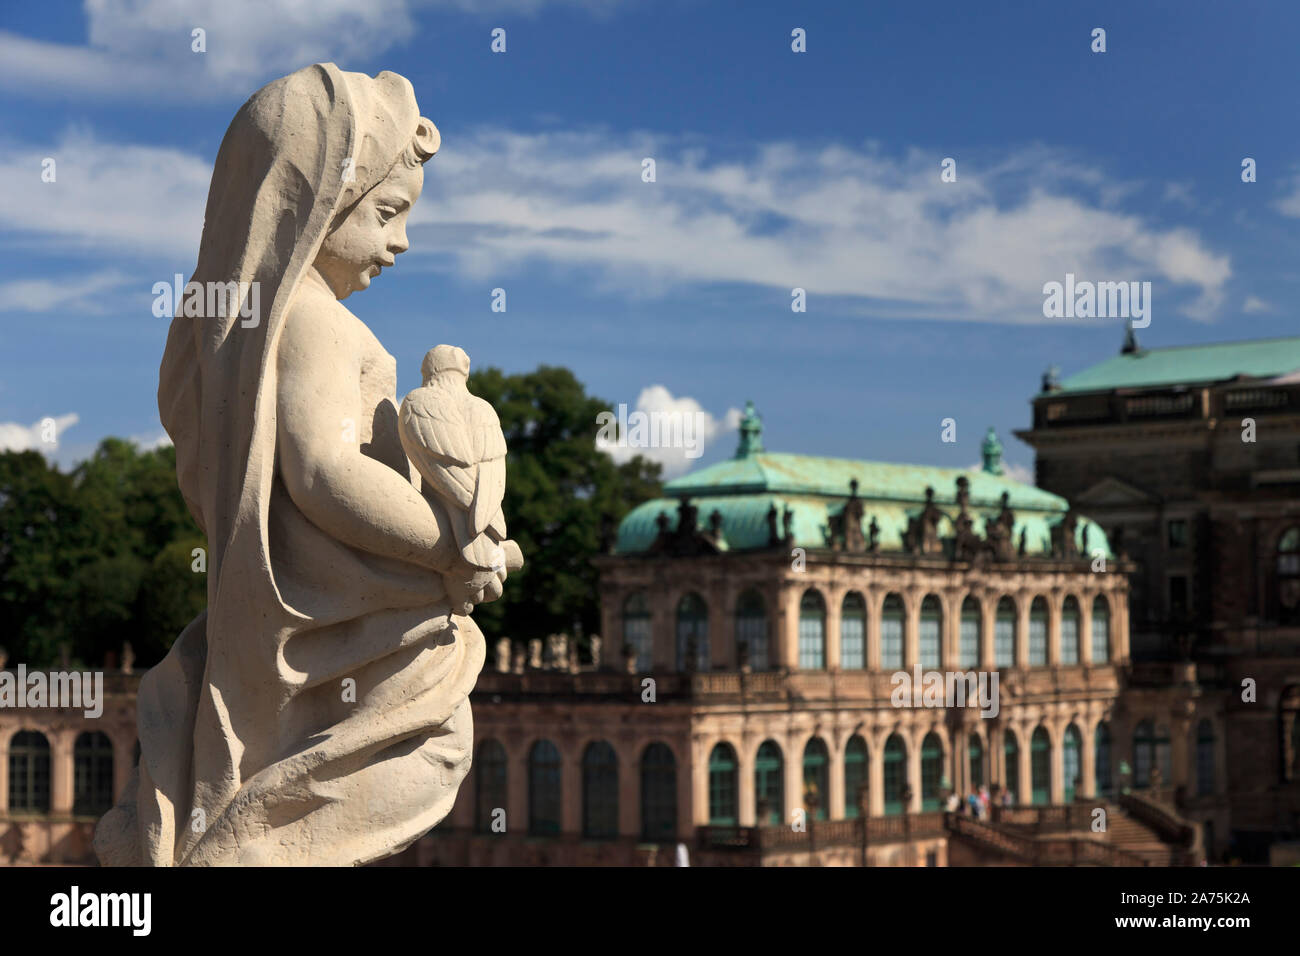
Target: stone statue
503,655
317,711
454,439
557,651
535,653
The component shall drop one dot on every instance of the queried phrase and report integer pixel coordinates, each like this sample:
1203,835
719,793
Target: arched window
1040,767
1204,758
544,789
855,776
1288,575
1004,634
29,773
636,631
853,632
812,631
599,791
92,757
489,784
1071,761
1070,618
1011,761
1038,633
751,630
722,786
1102,771
658,794
1289,732
816,779
1144,752
931,771
1100,630
971,638
895,773
769,784
975,753
891,633
692,633
929,638
1164,756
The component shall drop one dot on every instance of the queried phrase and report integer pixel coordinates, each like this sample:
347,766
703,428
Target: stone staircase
1127,833
1150,827
1002,842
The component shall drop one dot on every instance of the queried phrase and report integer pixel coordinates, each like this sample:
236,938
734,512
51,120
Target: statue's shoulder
316,321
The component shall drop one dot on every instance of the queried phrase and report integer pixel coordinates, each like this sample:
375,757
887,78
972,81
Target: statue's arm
357,499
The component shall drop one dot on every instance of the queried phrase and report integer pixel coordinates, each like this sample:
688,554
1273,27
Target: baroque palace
742,708
760,613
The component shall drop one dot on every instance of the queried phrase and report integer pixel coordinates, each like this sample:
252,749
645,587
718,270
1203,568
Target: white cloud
1253,305
78,294
143,47
151,442
106,197
876,235
42,436
673,432
1289,205
1020,473
834,221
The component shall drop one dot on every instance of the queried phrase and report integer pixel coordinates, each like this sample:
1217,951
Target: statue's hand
468,585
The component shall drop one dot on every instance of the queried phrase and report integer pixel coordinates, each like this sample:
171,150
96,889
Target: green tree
562,497
85,556
102,555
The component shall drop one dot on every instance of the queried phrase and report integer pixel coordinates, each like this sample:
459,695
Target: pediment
1111,492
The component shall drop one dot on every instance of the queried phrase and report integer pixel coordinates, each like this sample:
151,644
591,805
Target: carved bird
454,440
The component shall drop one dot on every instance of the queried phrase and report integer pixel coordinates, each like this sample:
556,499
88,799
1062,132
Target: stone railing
732,685
821,833
1162,673
1050,819
1051,851
991,837
1154,809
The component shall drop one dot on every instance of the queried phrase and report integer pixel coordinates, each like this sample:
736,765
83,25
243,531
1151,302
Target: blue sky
774,170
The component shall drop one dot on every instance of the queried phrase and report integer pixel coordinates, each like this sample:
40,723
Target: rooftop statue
317,712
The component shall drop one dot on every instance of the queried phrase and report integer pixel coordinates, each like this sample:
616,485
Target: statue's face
372,235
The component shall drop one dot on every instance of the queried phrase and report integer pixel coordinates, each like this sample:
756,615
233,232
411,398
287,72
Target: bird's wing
491,448
488,438
489,491
434,440
443,427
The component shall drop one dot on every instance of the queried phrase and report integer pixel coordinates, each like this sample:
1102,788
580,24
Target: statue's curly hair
423,144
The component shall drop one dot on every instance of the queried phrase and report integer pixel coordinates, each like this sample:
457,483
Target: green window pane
855,775
723,791
891,634
600,791
769,784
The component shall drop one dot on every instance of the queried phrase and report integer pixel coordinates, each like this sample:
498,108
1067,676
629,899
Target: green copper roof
1189,364
744,523
781,473
814,489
